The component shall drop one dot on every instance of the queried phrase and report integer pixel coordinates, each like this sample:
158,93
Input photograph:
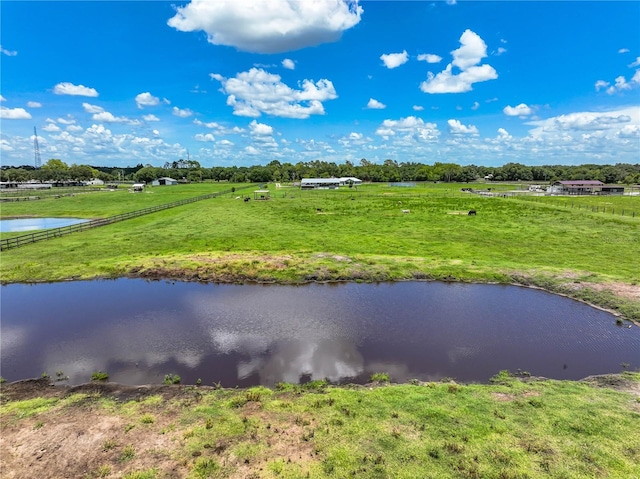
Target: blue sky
245,82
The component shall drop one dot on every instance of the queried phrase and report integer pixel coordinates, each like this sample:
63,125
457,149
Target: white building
165,180
328,183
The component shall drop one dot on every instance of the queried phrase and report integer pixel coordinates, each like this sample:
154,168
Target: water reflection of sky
249,334
31,224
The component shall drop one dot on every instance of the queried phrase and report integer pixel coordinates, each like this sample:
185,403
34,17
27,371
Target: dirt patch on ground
335,257
623,290
44,388
615,381
88,439
506,397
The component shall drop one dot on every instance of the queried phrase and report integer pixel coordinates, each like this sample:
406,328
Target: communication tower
36,149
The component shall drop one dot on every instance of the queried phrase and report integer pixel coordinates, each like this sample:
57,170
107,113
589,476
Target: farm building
350,180
612,190
584,187
328,183
579,187
314,183
164,181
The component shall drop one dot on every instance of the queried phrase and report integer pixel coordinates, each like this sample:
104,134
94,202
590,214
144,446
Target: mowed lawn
366,225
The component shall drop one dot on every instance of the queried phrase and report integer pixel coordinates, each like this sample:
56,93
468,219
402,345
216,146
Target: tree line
275,171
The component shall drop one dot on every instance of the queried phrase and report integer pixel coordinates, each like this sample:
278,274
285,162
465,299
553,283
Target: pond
245,335
30,224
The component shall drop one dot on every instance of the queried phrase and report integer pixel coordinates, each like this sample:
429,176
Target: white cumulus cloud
518,110
621,83
205,137
409,129
89,108
260,129
268,26
51,127
394,60
466,58
429,58
34,104
146,99
181,112
108,117
503,134
150,118
14,113
375,104
256,91
66,88
457,128
288,64
608,124
418,107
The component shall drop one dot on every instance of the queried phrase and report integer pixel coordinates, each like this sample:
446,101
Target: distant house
165,180
578,187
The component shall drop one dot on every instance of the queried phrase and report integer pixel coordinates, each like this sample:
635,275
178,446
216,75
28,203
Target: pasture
344,234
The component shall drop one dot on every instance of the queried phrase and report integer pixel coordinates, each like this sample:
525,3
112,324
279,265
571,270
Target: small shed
165,180
137,187
261,195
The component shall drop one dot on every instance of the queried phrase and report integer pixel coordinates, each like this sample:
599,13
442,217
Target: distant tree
54,170
148,173
194,176
82,172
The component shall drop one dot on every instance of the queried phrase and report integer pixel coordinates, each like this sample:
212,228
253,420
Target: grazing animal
472,212
319,210
246,200
406,211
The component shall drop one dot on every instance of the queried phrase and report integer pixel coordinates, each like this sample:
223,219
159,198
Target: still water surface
31,224
245,335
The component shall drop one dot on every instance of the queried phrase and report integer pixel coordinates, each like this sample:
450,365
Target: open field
613,205
510,429
346,234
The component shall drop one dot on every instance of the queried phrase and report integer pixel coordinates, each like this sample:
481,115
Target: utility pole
36,149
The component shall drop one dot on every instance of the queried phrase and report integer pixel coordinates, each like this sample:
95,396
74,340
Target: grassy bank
509,429
347,234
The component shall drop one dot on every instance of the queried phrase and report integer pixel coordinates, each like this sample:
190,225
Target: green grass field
509,429
346,234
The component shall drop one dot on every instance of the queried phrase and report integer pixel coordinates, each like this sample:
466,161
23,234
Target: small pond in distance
30,224
244,335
